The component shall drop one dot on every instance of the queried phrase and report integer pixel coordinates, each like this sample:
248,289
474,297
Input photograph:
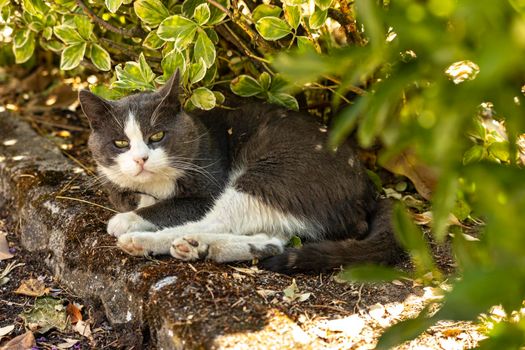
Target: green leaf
304,44
473,154
202,14
23,46
72,55
265,10
113,5
84,26
51,45
443,201
173,60
68,34
35,8
413,240
216,14
151,12
135,76
152,41
107,93
323,4
282,99
295,242
265,80
219,97
272,28
246,86
292,14
197,71
145,70
278,83
47,33
500,150
203,98
204,49
318,18
100,57
371,273
178,29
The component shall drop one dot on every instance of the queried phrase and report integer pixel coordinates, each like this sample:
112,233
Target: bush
427,78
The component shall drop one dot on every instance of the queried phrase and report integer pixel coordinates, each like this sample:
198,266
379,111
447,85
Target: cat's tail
379,246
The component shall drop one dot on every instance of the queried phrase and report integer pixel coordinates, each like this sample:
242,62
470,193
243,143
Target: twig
135,32
126,49
86,202
79,163
359,296
58,125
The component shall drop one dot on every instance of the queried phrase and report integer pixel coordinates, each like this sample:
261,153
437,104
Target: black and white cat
234,184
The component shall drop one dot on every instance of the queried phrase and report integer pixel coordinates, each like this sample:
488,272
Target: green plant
408,74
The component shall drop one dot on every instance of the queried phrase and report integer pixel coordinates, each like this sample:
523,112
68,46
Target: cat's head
141,138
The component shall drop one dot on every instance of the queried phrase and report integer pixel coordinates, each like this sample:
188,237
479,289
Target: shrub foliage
423,77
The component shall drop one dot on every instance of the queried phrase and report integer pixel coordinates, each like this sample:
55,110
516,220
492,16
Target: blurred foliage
440,79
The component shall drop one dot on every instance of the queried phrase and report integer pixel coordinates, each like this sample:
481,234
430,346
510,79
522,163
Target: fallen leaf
83,329
377,311
4,248
351,325
68,343
6,330
422,176
394,309
451,332
7,270
291,293
246,271
47,313
22,342
73,311
32,287
266,292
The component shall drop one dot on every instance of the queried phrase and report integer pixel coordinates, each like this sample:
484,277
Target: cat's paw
189,248
128,222
138,243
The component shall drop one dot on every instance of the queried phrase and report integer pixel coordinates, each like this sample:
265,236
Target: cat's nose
140,160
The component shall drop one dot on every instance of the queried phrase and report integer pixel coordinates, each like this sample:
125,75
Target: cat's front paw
127,222
139,243
189,248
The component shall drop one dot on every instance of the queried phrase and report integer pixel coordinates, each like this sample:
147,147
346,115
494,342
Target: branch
254,36
126,49
135,32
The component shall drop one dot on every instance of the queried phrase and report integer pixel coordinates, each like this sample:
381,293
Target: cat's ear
170,92
94,107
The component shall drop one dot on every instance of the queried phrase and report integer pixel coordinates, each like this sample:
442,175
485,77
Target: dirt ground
323,311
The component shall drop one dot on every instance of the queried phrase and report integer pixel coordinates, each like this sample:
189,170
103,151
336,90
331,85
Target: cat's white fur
157,179
237,226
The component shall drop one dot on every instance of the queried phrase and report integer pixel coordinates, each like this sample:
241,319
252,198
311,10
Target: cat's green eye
121,143
157,137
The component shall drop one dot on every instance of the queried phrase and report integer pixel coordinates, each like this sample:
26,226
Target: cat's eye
121,143
157,137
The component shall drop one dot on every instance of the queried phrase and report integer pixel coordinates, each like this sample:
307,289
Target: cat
234,184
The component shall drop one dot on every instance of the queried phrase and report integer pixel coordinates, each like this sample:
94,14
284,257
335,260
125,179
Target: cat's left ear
170,91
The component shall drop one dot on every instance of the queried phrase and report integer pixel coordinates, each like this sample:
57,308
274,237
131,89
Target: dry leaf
73,311
32,287
4,248
250,272
451,332
22,342
266,292
46,314
350,326
422,176
394,309
83,329
377,311
6,330
69,342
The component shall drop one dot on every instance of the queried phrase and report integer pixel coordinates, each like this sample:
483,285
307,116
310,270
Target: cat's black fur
286,165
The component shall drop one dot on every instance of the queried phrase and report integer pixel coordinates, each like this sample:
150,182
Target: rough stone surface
164,303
